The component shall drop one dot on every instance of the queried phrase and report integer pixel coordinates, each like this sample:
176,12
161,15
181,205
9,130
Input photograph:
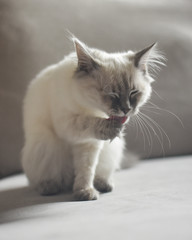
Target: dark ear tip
70,36
138,55
76,42
152,45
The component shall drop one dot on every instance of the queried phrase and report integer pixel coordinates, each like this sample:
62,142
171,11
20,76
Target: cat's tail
129,160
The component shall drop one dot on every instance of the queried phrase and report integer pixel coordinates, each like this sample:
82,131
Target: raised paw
102,185
86,194
108,129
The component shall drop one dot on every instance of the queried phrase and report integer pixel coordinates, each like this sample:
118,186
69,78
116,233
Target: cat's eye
114,95
133,92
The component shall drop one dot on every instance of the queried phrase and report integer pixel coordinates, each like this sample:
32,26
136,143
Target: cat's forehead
116,68
113,60
115,63
116,72
116,80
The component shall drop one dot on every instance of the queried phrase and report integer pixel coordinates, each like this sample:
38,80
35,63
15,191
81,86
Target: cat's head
117,84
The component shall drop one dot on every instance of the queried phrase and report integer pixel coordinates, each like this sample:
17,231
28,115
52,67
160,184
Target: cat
74,115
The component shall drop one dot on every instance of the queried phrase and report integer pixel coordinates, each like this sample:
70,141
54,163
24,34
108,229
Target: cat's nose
125,110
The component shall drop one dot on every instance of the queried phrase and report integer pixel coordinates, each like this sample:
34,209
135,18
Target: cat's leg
109,160
85,156
43,161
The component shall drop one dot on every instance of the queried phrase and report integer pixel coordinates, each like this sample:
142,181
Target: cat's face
123,89
117,84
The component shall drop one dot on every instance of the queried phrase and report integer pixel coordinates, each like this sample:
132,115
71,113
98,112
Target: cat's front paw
108,129
86,194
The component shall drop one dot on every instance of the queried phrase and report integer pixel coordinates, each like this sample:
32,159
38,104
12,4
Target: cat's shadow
23,197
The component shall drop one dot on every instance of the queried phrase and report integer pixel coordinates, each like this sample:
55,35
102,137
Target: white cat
74,115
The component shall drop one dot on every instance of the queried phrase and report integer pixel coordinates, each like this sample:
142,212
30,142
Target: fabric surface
151,201
33,35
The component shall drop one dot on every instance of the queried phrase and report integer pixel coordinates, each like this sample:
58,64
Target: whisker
157,94
139,124
133,124
137,128
144,128
154,106
160,129
150,110
148,133
160,140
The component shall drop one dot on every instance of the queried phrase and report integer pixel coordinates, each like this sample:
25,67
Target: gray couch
155,194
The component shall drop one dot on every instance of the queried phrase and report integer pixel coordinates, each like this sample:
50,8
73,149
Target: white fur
50,138
55,108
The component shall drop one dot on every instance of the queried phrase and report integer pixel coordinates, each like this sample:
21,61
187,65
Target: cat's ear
142,58
86,62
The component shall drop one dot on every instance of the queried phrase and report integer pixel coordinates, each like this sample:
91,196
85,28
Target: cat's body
70,144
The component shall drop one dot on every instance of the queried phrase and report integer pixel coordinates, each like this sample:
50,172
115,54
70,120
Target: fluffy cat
74,115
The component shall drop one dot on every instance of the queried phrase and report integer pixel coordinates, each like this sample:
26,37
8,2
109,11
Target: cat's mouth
121,119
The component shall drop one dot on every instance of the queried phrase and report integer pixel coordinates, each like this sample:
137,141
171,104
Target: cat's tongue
121,119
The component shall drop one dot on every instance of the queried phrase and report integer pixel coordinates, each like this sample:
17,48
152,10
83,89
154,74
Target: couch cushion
151,201
33,35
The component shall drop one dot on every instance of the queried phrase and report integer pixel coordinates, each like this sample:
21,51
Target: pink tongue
122,119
